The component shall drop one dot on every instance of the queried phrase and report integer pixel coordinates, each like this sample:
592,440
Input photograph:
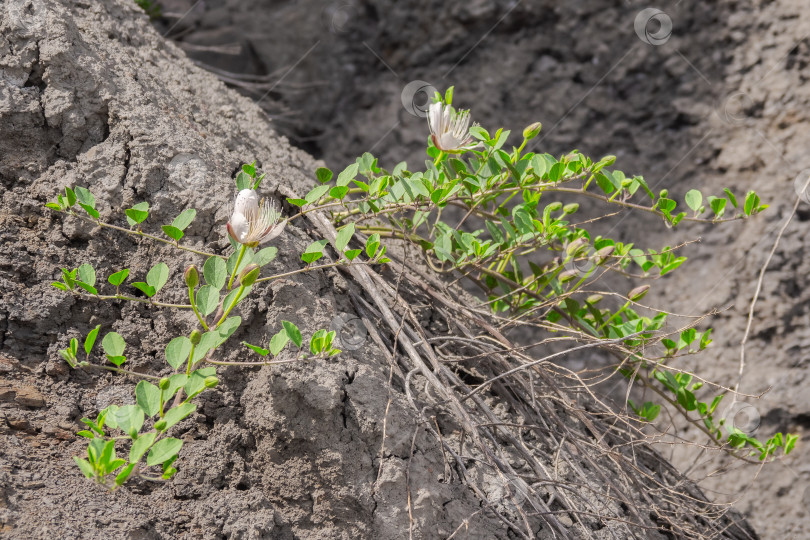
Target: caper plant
532,263
162,401
508,236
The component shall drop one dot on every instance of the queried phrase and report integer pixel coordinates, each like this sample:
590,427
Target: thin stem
194,307
308,269
132,299
236,268
233,304
632,205
145,235
269,363
190,357
117,370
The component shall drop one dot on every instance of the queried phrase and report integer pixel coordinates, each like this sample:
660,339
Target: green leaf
731,197
323,174
226,330
137,214
85,466
176,381
184,219
278,342
231,298
145,288
129,419
316,193
176,414
265,255
69,277
141,445
123,476
293,332
207,342
243,181
196,383
344,236
53,206
177,351
694,199
718,205
348,174
215,272
158,276
207,299
90,340
372,245
86,287
448,96
314,251
247,258
71,196
90,210
163,450
119,277
113,344
117,360
751,203
147,395
353,253
87,274
172,232
84,196
338,192
259,350
297,202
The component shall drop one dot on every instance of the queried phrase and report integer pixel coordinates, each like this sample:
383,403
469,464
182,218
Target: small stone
29,396
20,424
566,520
7,393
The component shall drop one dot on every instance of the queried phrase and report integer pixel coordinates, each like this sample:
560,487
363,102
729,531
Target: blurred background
688,94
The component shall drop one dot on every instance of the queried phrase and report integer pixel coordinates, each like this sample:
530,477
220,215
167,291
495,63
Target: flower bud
530,132
195,337
663,193
211,382
602,255
160,425
594,299
164,383
568,275
574,247
192,276
249,275
553,207
570,208
638,293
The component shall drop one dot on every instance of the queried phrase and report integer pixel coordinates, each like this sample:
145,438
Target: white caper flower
252,222
450,129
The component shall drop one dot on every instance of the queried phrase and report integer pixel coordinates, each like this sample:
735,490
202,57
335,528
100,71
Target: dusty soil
721,103
92,96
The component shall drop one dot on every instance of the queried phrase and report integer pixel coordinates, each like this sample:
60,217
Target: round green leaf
163,450
215,272
113,344
158,276
177,351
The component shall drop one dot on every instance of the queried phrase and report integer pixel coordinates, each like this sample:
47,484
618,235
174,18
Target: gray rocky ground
91,96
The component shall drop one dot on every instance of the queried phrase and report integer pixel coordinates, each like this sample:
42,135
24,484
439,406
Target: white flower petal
240,227
247,202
